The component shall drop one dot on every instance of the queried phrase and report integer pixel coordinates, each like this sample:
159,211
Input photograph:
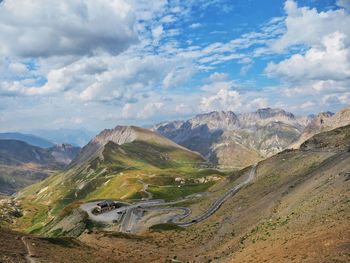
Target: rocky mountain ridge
234,139
324,121
121,135
28,138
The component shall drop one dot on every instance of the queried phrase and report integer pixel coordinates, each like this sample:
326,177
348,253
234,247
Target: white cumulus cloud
44,28
329,60
307,26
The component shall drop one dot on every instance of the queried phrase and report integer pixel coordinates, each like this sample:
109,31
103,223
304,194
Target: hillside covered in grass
123,160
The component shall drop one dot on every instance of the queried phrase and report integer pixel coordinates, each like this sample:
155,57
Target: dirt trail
30,254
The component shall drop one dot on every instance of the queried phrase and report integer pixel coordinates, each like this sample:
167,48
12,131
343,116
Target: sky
101,63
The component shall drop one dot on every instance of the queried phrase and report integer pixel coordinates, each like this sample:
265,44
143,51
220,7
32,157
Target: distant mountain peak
216,120
272,112
325,114
28,138
63,146
119,135
217,115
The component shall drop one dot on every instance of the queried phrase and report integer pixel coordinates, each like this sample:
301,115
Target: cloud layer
134,61
43,28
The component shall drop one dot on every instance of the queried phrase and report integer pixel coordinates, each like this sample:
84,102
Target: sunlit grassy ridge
174,192
119,172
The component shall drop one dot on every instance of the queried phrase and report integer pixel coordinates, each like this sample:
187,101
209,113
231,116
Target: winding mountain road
130,215
217,204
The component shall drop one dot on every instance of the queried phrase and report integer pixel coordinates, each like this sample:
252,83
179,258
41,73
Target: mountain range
324,121
76,137
48,138
22,164
226,139
28,138
237,140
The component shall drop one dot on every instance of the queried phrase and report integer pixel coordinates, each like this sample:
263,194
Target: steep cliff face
233,139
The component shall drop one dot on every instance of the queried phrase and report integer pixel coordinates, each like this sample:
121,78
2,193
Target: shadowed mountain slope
22,164
28,138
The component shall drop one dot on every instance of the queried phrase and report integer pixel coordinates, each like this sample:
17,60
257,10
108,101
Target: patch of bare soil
12,249
15,247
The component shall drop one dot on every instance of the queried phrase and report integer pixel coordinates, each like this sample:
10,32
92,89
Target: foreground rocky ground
14,250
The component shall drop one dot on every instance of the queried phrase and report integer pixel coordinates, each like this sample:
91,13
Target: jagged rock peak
327,114
118,135
168,125
217,114
216,120
269,112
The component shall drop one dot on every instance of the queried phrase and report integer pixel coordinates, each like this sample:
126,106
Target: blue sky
96,64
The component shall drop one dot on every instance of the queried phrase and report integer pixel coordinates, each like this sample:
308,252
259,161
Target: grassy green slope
117,174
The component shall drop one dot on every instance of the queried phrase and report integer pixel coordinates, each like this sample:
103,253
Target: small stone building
105,205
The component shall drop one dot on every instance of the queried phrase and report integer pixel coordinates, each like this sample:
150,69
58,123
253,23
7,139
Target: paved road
134,213
130,214
125,225
216,205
